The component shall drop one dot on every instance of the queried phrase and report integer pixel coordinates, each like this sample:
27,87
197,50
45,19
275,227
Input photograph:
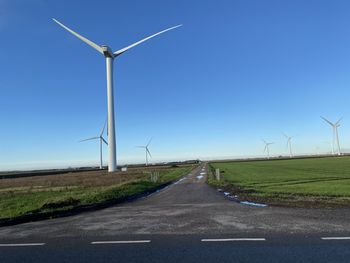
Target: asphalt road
189,222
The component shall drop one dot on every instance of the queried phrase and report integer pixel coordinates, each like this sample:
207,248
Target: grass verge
25,202
316,182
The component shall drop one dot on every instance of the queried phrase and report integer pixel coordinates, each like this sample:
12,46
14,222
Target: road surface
188,221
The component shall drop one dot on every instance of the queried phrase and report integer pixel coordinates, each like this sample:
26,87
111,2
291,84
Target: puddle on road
178,181
252,204
200,177
235,198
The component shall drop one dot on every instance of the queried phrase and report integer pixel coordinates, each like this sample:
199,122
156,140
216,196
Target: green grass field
65,192
300,181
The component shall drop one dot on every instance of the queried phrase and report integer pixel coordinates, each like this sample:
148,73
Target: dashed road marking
232,239
335,238
120,242
22,245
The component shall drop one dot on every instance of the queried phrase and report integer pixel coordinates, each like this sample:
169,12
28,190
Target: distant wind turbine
289,144
107,52
335,133
102,140
146,150
267,149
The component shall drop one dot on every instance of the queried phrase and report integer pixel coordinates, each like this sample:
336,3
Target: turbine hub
107,51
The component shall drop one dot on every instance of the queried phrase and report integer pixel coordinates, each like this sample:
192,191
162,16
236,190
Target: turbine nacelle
107,51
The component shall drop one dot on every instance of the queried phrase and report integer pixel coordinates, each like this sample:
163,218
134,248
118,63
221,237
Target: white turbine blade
330,123
337,123
149,152
104,140
149,141
285,135
87,41
120,51
92,138
103,129
263,141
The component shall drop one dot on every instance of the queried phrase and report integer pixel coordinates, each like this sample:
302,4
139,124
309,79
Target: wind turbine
335,133
102,140
289,144
146,150
267,149
107,52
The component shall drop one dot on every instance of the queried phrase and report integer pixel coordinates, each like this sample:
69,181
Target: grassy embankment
310,182
66,192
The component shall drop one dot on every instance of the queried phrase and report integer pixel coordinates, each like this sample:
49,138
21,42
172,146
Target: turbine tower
335,133
102,140
110,56
267,149
146,150
289,144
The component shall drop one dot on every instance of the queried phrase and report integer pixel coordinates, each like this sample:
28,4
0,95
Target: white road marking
232,239
335,238
22,245
120,242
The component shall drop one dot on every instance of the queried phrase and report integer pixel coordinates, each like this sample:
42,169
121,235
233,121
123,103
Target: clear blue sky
236,72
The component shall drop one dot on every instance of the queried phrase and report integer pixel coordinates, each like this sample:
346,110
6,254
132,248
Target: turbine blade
330,123
87,41
104,140
337,123
149,141
120,51
88,139
103,129
149,152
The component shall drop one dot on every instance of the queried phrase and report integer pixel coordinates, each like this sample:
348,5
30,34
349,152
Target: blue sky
236,72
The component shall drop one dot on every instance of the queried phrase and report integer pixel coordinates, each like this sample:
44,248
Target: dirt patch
60,204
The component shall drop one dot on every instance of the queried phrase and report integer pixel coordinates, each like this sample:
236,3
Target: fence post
217,174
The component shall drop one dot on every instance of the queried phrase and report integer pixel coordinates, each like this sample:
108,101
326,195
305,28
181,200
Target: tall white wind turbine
335,133
267,149
289,144
147,152
102,140
110,56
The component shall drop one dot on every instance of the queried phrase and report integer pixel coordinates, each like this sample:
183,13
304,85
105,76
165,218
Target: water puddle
252,204
235,198
178,181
